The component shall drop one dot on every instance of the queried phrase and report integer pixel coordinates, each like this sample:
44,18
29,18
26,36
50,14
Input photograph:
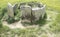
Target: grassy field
50,29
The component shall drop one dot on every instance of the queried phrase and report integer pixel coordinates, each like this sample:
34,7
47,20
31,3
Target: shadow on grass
40,22
11,20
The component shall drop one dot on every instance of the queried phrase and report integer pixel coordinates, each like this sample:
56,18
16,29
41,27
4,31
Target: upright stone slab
10,10
25,11
38,12
15,8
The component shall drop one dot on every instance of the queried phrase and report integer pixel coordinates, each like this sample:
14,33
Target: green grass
52,26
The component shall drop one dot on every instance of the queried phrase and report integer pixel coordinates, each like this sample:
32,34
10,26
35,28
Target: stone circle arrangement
29,12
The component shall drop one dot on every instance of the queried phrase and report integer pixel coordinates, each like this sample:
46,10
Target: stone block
10,10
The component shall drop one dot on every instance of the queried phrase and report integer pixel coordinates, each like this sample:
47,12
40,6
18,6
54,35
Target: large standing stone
38,12
10,10
15,8
25,11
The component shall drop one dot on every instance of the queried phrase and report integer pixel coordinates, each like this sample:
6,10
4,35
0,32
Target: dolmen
31,11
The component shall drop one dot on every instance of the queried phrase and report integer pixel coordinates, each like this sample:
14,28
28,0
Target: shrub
10,20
